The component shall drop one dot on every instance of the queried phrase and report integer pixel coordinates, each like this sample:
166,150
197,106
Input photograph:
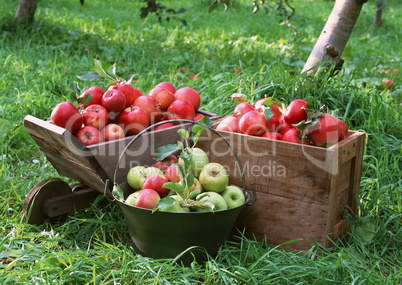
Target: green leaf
163,203
130,78
112,70
177,187
117,192
197,130
268,113
194,193
183,133
189,181
267,102
76,88
164,151
87,99
99,69
180,144
366,232
89,76
185,156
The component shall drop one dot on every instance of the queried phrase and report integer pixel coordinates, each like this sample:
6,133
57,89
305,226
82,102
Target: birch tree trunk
25,11
335,35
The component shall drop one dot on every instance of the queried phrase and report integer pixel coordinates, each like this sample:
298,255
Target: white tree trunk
25,11
335,35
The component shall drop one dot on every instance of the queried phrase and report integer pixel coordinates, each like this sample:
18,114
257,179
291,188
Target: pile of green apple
189,182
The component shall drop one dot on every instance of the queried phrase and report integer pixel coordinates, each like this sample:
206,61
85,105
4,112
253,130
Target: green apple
213,177
208,198
133,197
233,196
137,175
177,207
134,175
198,159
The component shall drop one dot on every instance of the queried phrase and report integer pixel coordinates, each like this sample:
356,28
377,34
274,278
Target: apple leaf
180,144
197,130
117,192
163,203
194,193
189,181
89,76
76,88
130,78
181,171
185,156
164,151
268,112
183,133
112,70
99,69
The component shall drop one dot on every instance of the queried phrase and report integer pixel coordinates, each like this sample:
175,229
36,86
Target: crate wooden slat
301,190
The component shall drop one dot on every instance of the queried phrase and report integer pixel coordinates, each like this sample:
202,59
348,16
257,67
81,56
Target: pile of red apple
295,123
209,191
123,110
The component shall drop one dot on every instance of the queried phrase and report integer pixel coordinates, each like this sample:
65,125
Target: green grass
92,246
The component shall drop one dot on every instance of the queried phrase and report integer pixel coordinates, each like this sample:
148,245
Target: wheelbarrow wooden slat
68,156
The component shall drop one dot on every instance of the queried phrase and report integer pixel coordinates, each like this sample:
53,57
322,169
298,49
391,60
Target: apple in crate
67,116
272,136
89,135
233,196
212,199
241,109
295,112
112,132
253,123
147,199
189,94
181,109
198,116
163,126
129,92
167,85
114,100
150,105
96,116
326,132
213,177
155,182
133,119
96,96
229,124
163,96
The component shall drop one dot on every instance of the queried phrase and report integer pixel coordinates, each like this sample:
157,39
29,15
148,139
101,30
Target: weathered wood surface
301,190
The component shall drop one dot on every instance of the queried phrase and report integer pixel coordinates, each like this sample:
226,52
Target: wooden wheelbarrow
91,166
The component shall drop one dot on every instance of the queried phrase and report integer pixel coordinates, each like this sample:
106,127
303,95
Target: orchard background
40,62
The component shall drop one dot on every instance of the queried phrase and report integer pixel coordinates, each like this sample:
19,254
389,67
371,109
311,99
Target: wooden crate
94,164
302,191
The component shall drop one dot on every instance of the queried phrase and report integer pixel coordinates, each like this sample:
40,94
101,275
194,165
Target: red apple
189,94
151,106
198,116
193,76
155,182
165,163
253,123
258,105
67,116
128,91
147,199
273,124
283,126
112,132
113,117
114,100
294,113
343,129
292,135
326,132
95,115
89,135
163,96
228,124
388,84
181,109
172,174
167,85
96,96
164,126
133,120
241,109
272,136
